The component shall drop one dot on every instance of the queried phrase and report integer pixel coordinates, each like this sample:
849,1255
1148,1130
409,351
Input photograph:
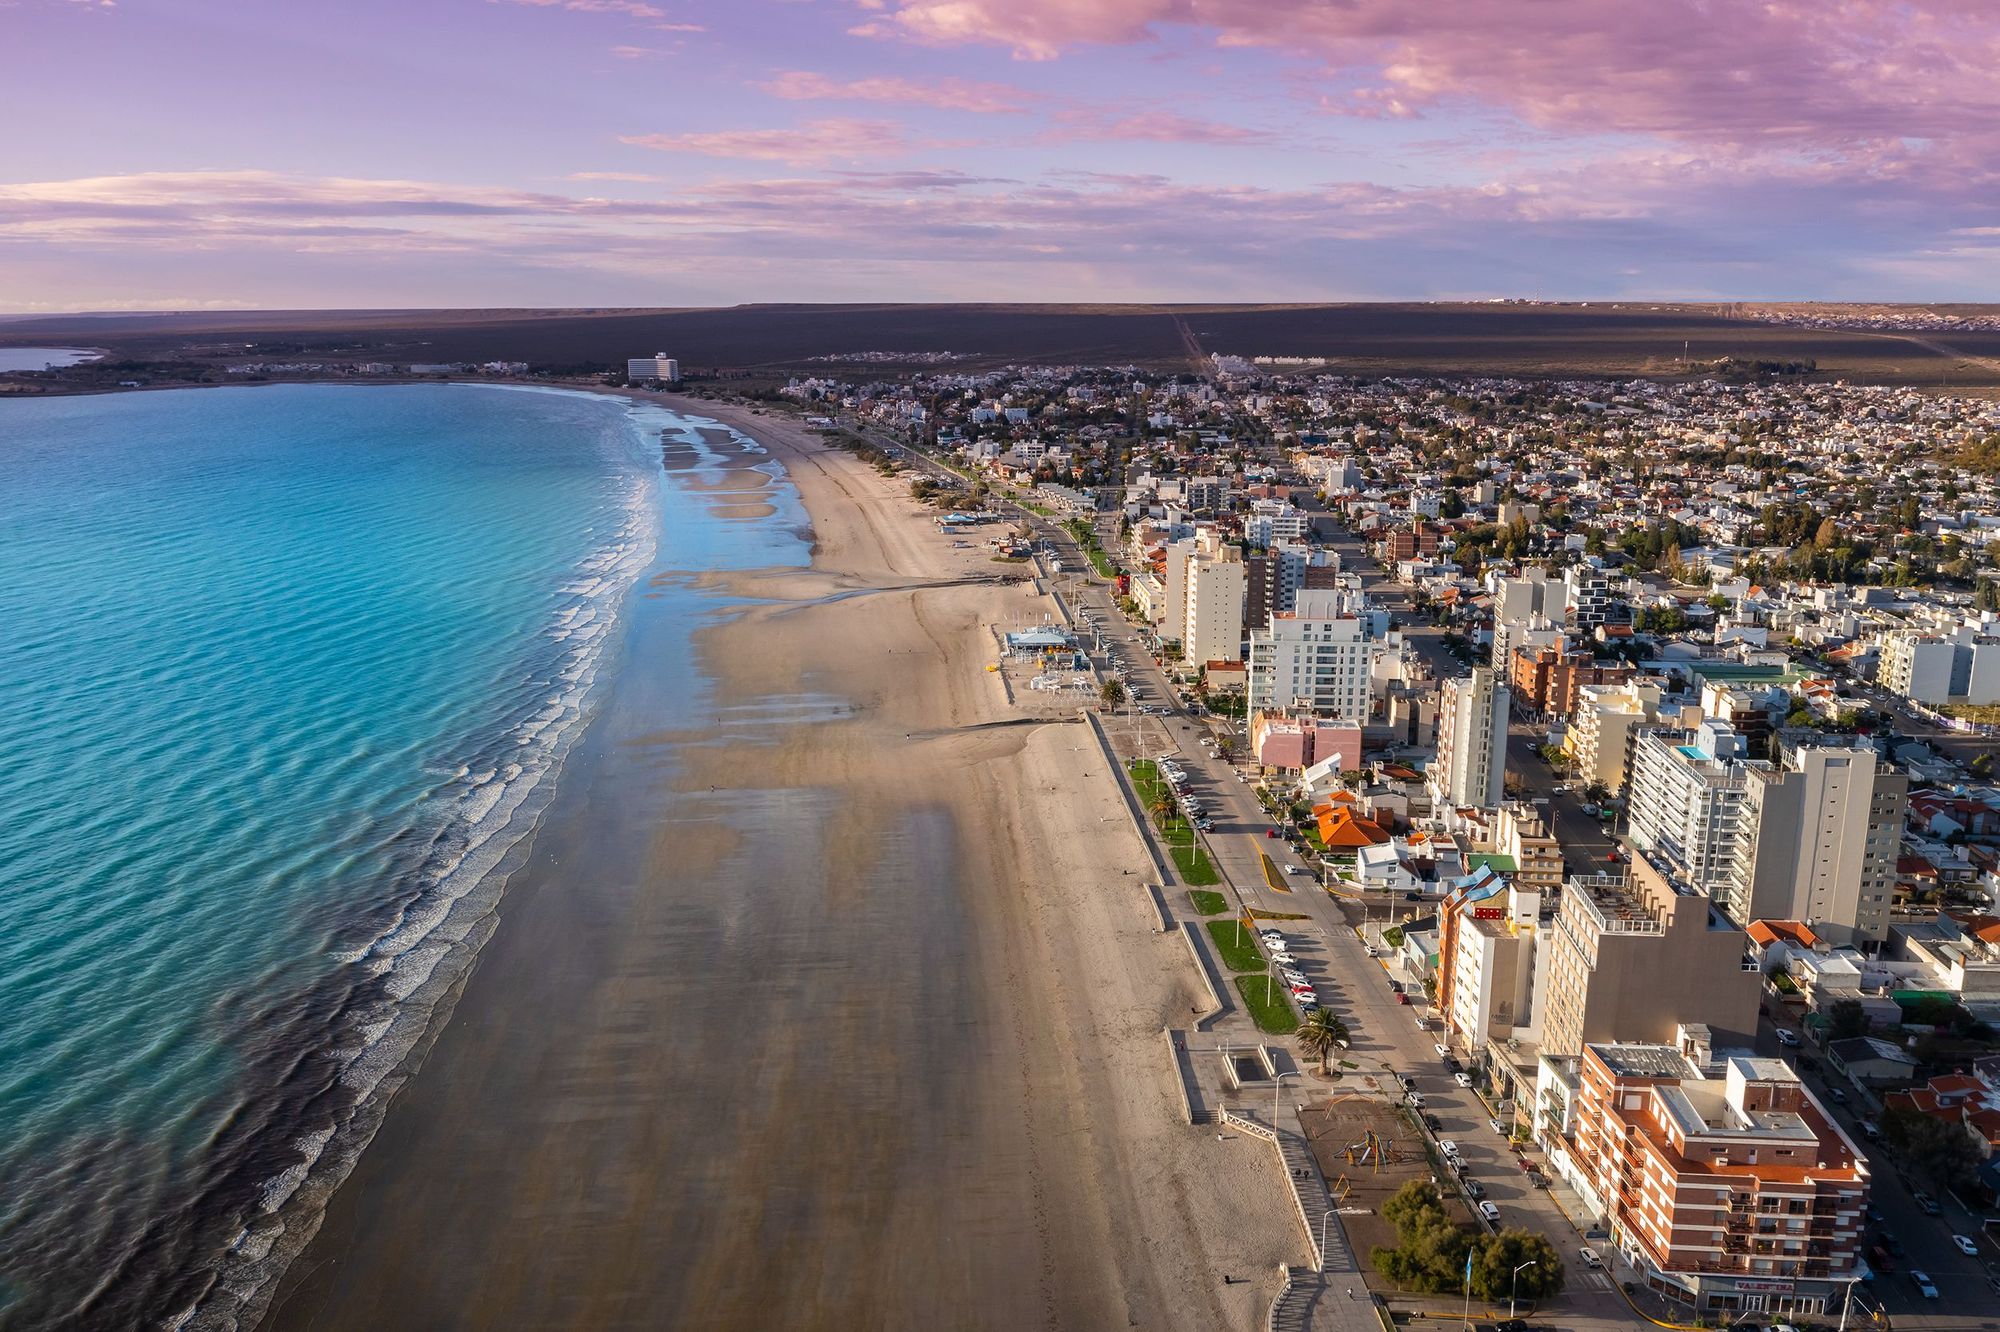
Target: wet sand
822,1002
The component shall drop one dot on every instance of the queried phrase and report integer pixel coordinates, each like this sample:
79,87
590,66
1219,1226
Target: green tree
1846,1020
1112,692
1495,1258
1321,1034
1940,1153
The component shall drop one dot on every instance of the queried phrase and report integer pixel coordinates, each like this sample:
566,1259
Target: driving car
1925,1203
1965,1245
1925,1287
1270,832
1787,1038
1462,1079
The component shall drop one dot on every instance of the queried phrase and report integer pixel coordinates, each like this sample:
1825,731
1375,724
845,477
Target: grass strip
1274,876
1237,943
1208,902
1269,1005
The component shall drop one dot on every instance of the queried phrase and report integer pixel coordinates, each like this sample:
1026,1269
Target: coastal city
1577,799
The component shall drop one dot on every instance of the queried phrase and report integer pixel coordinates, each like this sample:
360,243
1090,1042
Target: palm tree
1321,1034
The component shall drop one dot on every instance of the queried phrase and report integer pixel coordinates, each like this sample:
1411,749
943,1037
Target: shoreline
946,1103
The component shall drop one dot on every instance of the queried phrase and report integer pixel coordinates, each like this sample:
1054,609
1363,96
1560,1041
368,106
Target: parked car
1270,832
1474,1190
1836,1095
1402,998
1417,1099
1462,1079
1787,1038
1442,1052
1490,1212
1871,1130
1448,1148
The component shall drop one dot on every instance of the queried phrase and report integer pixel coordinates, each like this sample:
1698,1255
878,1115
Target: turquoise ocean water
285,674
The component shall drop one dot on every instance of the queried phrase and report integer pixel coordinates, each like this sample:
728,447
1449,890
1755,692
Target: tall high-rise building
1318,656
1816,841
1471,763
1631,958
1212,615
1685,797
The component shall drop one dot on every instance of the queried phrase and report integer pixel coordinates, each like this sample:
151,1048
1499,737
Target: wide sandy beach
836,1007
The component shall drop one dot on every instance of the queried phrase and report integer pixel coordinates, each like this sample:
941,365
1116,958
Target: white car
1448,1148
1294,975
1462,1079
1788,1039
1965,1245
1440,1048
1925,1287
1490,1212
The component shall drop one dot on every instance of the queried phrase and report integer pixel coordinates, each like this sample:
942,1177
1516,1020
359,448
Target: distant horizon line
1245,304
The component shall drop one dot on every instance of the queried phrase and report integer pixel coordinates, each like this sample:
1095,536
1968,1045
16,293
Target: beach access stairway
1310,1198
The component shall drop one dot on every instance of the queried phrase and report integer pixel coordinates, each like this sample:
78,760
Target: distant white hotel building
659,366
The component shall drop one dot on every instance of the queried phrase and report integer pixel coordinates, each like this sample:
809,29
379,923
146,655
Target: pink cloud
946,94
633,9
1088,123
834,140
1735,70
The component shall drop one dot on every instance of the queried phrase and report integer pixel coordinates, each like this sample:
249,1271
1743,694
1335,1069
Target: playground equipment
1372,1150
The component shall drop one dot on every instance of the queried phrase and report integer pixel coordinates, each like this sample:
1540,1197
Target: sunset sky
189,153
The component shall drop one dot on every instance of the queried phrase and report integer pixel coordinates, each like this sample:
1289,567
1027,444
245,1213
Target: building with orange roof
1345,831
1719,1174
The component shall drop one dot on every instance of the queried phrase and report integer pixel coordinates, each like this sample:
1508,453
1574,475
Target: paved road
1967,1299
1385,1034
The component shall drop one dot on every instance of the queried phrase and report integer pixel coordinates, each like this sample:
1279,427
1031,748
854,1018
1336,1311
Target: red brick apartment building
1728,1185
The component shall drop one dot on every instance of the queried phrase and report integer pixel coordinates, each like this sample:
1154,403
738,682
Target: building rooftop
1645,1060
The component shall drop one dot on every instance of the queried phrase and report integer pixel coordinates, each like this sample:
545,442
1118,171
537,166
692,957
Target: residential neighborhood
1642,733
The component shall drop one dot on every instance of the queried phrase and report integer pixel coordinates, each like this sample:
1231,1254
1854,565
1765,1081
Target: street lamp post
1322,1236
1276,1087
1516,1290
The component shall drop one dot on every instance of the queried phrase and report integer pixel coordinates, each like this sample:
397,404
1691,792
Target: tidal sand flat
821,1001
289,675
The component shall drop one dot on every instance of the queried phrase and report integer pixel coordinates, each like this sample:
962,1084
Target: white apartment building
1532,593
1271,521
1212,613
1318,656
1918,666
1494,966
1471,763
1934,669
1605,724
658,366
1686,800
1817,840
1588,596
